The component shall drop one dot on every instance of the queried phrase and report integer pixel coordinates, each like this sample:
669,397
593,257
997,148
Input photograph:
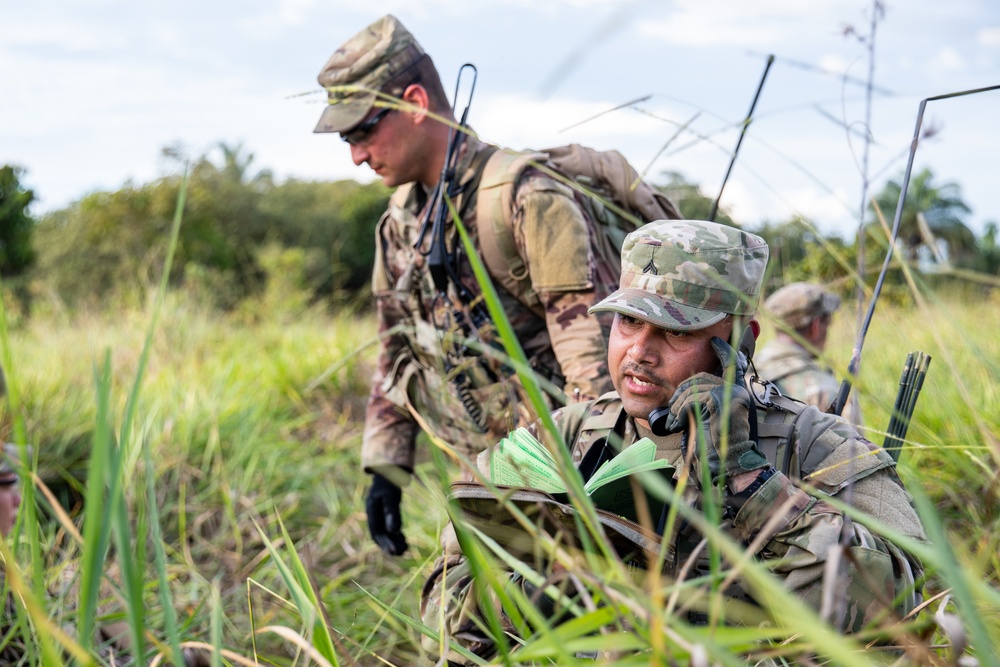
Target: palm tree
236,163
942,211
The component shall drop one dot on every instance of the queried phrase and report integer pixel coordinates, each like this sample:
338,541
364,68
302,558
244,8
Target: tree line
109,247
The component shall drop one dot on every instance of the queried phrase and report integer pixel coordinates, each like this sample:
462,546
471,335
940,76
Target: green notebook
520,460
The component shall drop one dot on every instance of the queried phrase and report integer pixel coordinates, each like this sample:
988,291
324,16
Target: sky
93,90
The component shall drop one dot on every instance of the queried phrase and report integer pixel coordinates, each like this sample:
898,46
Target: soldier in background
387,101
802,312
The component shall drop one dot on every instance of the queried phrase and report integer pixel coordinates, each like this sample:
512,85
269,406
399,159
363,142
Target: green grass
242,501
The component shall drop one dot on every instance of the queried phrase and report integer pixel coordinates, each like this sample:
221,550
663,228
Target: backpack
607,187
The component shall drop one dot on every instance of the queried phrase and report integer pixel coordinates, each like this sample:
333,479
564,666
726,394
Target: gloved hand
385,522
704,395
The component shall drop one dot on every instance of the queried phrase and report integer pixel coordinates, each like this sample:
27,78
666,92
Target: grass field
238,462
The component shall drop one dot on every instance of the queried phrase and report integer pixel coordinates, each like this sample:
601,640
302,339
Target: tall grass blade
322,638
955,575
26,525
216,628
133,573
303,595
95,529
160,562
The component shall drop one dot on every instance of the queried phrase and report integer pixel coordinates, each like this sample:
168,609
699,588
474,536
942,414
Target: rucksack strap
494,223
470,189
774,433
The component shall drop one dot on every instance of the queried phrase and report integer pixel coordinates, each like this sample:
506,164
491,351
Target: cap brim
660,312
344,115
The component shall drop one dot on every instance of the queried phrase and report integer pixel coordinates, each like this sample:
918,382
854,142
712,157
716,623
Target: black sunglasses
360,134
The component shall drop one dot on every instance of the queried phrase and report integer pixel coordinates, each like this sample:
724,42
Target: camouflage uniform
798,373
426,376
566,347
662,285
791,367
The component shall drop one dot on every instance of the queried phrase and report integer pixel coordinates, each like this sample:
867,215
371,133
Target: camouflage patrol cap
686,275
365,64
796,304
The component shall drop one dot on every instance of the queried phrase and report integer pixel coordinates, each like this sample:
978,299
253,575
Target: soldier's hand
729,357
704,396
385,523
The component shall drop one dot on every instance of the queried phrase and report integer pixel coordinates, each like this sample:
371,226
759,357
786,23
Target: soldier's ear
416,101
754,327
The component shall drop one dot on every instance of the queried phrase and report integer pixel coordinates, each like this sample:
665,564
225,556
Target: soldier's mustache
632,368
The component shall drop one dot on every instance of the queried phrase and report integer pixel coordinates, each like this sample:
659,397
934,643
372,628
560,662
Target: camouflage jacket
426,372
798,374
797,547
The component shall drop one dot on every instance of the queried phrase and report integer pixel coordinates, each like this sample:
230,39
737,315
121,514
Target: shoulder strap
470,189
494,220
774,434
607,417
397,202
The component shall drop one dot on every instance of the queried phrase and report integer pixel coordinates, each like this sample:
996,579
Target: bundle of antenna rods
910,383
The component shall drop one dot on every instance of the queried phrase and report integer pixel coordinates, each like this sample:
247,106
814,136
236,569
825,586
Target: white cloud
738,23
517,120
946,60
989,36
95,93
71,36
698,29
835,64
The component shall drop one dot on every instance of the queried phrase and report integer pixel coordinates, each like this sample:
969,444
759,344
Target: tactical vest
777,421
818,456
481,402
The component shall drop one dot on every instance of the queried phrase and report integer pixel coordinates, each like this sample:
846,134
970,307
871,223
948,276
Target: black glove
728,356
704,395
384,520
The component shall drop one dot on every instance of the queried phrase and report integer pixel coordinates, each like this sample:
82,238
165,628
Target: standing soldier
803,312
386,100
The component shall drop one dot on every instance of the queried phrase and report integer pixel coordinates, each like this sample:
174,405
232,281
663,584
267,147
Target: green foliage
16,226
799,252
232,433
108,247
690,200
335,224
987,257
931,213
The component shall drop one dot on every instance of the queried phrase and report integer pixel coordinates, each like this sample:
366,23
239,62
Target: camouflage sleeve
879,575
449,605
554,238
579,344
390,432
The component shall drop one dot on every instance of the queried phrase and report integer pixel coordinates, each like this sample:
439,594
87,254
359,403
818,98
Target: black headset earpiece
659,421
